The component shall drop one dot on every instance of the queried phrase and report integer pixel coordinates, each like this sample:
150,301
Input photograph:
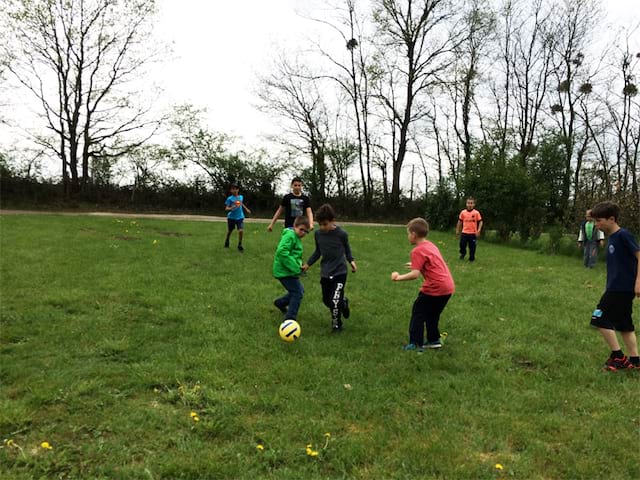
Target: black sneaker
226,244
346,311
279,307
615,364
336,329
241,248
461,257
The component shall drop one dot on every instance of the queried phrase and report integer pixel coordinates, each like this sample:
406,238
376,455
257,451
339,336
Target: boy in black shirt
293,204
332,244
623,284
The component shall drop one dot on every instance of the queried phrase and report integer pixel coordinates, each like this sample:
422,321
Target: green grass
110,340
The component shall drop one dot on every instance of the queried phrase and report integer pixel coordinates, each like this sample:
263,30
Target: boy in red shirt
436,289
470,223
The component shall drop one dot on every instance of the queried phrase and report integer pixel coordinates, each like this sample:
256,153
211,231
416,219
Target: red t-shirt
470,221
437,278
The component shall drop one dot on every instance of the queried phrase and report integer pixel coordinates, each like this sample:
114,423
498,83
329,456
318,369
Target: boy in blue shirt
623,284
234,205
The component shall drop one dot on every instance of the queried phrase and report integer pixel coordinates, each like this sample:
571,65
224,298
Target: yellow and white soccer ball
289,330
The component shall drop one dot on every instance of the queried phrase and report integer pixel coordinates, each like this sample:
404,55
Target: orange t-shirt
470,220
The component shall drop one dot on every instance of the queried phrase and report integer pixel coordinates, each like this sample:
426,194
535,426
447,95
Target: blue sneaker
436,344
409,347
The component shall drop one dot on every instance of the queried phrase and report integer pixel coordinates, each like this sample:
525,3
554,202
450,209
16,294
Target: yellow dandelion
499,466
260,447
313,453
155,242
9,442
193,414
328,435
46,445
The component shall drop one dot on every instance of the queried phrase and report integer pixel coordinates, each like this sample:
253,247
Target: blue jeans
590,253
293,297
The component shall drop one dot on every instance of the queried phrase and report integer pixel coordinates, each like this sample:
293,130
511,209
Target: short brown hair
301,220
419,226
606,210
325,213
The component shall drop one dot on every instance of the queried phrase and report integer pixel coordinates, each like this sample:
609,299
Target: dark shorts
614,312
233,223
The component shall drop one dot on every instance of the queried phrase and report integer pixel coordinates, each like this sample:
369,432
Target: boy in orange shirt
470,224
436,290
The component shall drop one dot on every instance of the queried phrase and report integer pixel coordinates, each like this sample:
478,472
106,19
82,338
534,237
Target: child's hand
394,276
305,267
408,265
354,268
270,228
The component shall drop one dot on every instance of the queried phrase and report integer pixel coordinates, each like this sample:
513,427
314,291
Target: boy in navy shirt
234,205
623,284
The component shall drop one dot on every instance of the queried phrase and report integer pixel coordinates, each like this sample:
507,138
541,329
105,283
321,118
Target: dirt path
162,216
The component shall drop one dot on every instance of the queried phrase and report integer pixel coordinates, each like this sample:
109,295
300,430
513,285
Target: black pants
426,311
468,239
333,296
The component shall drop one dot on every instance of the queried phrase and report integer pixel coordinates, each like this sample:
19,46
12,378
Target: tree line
399,104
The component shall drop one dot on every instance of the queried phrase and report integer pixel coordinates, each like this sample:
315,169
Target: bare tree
416,34
82,60
291,93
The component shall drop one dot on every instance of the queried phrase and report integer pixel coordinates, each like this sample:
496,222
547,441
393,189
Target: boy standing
234,205
293,204
436,289
589,239
287,264
470,224
623,284
332,244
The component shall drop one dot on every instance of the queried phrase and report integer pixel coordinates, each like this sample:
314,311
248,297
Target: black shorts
235,223
614,312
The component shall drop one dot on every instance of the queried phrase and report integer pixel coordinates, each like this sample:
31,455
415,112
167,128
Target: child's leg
610,337
630,343
463,245
418,319
295,293
240,235
230,226
335,297
472,248
435,306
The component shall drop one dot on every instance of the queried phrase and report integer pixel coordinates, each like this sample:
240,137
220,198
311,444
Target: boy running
234,205
436,289
470,224
293,205
623,284
287,264
332,244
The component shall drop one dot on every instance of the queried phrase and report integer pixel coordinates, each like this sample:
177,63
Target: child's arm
480,224
348,254
310,217
246,208
458,227
412,275
315,256
275,218
228,206
637,289
284,253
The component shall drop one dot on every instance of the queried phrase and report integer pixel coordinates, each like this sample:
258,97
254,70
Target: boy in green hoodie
287,266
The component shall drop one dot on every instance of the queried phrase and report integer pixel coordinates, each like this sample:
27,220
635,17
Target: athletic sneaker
226,244
241,248
436,344
411,347
345,308
336,328
615,364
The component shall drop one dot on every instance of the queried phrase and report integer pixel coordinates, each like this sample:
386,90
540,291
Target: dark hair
233,185
301,220
296,179
471,198
419,226
606,210
325,213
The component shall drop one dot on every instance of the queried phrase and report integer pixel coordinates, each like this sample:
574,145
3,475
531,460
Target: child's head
301,226
471,203
587,215
234,189
606,216
417,229
325,216
296,185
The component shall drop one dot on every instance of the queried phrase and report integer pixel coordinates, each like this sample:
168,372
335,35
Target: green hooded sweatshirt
288,259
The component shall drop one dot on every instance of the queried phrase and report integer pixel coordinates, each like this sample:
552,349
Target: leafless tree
417,36
82,61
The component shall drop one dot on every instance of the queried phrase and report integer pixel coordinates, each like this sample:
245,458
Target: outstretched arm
412,275
310,217
275,218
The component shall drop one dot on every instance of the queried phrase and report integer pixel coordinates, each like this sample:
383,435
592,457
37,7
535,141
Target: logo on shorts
612,249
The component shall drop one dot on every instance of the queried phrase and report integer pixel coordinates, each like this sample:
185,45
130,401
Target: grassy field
141,349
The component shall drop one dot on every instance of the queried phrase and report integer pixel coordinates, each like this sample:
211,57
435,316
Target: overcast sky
219,46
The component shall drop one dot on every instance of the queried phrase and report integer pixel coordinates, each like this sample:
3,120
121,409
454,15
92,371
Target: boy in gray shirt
332,244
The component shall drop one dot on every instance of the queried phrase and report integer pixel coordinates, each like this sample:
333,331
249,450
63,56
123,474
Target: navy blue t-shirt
622,264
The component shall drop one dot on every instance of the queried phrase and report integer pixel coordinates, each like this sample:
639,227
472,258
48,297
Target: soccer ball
289,330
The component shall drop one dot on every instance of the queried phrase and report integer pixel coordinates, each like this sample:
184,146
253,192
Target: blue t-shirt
622,264
238,212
